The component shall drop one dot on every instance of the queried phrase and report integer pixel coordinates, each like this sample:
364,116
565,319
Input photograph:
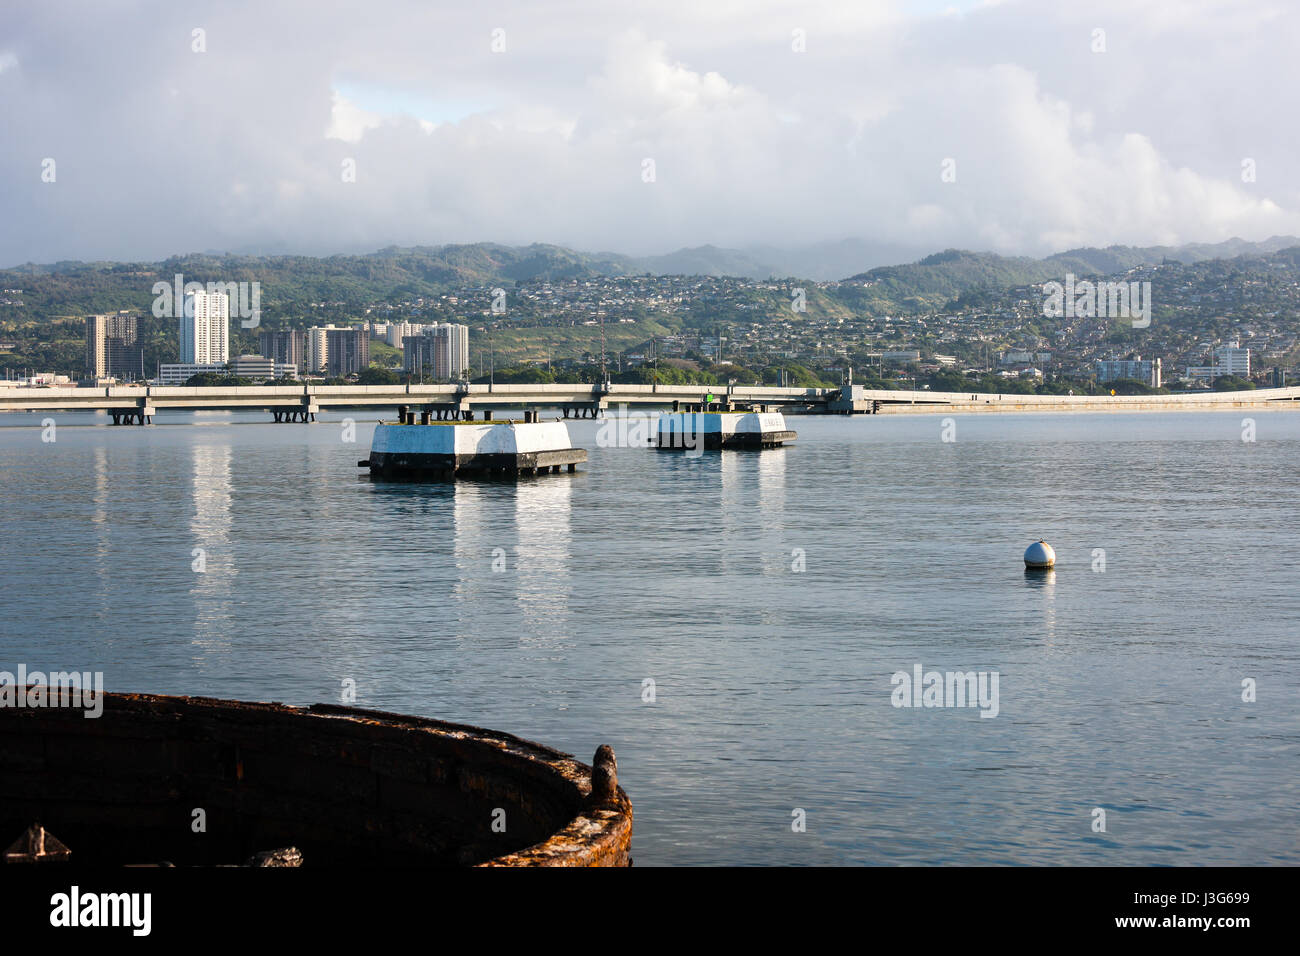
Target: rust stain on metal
329,784
600,836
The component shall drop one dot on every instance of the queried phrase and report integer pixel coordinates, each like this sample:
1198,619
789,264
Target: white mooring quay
714,430
433,450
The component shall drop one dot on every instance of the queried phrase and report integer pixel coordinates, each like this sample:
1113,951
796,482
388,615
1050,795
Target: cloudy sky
1025,126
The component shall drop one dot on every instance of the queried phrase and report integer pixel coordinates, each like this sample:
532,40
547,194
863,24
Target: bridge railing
271,395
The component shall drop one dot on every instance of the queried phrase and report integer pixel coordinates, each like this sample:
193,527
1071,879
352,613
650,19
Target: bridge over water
137,404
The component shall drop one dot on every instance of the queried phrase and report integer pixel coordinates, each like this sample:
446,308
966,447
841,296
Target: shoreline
1080,408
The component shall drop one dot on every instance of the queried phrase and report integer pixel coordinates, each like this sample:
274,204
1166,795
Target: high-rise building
457,351
112,346
315,351
439,352
1148,371
205,328
346,351
398,332
286,347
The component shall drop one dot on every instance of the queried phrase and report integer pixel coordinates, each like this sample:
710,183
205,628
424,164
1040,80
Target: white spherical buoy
1040,556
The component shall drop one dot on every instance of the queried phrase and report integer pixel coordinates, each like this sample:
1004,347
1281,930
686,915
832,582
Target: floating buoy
1040,556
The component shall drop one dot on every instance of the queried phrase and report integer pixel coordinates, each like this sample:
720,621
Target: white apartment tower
453,350
398,332
205,328
316,351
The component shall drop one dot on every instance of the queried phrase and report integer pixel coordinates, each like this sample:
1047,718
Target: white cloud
348,121
1055,146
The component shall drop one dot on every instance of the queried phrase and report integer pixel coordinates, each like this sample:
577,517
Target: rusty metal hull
341,785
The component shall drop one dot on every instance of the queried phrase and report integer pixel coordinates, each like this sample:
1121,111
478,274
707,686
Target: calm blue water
1118,689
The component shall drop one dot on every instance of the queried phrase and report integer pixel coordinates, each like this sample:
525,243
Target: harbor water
731,622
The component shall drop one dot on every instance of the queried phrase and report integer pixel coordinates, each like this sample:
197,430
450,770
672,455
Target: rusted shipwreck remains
280,785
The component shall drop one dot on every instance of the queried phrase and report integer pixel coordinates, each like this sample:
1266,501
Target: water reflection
212,562
99,515
731,510
771,511
1045,581
542,558
473,554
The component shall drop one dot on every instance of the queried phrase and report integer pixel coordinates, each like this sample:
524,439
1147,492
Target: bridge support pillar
140,415
587,410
